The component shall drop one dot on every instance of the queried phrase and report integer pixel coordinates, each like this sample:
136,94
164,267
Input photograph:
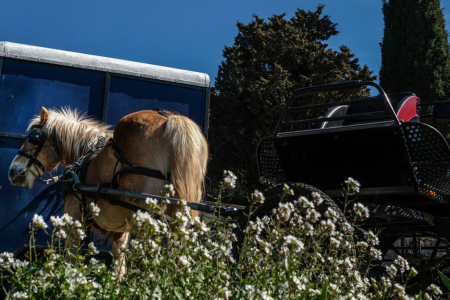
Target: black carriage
403,166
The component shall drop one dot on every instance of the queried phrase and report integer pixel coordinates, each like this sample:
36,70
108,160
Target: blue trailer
104,88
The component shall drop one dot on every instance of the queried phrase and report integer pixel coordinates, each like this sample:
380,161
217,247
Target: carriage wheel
273,198
426,247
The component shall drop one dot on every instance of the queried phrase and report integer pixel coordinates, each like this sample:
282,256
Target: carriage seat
405,105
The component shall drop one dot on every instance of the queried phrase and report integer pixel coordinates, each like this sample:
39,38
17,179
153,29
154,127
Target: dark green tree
415,50
266,63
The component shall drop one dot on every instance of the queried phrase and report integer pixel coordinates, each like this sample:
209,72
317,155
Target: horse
168,142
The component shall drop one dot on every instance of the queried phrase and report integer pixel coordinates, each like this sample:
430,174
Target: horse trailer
104,88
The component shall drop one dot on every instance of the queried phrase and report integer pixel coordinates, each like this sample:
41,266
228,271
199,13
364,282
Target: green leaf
419,297
278,229
323,296
318,268
445,279
303,295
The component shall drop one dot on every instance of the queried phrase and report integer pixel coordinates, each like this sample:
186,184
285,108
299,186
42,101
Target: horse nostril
12,173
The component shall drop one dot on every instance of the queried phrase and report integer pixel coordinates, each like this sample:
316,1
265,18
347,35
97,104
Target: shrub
295,253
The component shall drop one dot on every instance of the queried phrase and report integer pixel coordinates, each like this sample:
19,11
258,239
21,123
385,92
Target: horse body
169,143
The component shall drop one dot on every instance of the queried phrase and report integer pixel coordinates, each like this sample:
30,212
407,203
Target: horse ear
44,115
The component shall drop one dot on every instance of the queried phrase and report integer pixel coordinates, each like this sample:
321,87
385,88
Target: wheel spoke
436,246
415,244
396,250
434,263
443,267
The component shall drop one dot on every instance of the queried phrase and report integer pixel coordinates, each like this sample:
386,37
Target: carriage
401,162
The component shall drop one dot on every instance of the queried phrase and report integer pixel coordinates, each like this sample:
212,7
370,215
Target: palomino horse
166,142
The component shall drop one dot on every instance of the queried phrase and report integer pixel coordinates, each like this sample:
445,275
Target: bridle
37,137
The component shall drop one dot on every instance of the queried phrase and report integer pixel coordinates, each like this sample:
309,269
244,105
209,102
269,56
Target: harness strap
132,169
139,171
164,113
32,160
118,153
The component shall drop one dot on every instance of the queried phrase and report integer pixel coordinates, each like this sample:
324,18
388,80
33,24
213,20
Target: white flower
331,214
402,263
151,202
6,260
347,228
312,215
353,185
67,219
287,190
203,228
372,239
362,245
136,244
57,221
296,245
229,179
434,290
361,211
305,203
183,260
95,210
80,233
61,234
77,224
334,242
327,225
376,254
20,295
413,272
285,210
92,250
258,197
264,295
169,190
391,270
38,221
398,288
317,199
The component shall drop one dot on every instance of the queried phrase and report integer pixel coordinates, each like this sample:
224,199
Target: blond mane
74,130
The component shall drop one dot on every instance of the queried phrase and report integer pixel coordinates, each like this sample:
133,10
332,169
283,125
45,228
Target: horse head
39,153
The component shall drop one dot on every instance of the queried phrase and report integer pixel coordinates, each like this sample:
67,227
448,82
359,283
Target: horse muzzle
17,175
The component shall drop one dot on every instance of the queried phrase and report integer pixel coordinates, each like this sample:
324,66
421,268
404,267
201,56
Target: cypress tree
266,63
415,50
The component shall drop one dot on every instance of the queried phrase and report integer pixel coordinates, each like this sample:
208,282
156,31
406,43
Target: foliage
445,279
294,253
267,62
415,50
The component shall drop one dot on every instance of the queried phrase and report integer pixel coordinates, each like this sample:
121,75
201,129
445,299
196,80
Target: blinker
35,137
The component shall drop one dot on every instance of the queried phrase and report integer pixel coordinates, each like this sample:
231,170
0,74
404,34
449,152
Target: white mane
73,130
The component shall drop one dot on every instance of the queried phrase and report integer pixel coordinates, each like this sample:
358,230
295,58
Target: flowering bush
295,251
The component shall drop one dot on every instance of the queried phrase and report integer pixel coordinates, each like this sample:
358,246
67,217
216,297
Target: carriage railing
288,109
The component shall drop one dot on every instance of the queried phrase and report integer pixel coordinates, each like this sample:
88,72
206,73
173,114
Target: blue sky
181,34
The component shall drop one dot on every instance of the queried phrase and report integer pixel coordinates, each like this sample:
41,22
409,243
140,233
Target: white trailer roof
104,64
